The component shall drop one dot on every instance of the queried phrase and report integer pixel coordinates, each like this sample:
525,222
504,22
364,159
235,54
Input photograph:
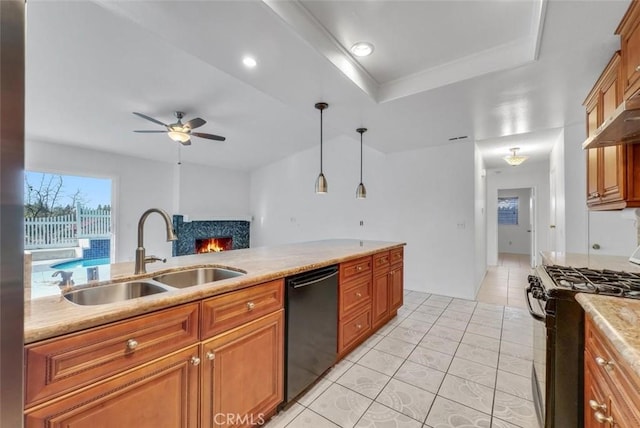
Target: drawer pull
210,356
250,305
604,363
132,344
358,294
597,406
359,268
358,326
637,67
195,361
602,419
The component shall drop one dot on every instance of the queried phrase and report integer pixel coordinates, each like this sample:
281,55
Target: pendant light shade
321,183
361,191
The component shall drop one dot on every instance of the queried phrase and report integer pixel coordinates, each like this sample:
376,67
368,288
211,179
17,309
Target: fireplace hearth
233,233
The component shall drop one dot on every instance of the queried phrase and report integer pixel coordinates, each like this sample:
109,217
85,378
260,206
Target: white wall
412,196
480,211
527,175
139,184
515,238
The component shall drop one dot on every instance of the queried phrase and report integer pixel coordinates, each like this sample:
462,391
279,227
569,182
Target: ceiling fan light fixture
321,183
362,49
178,136
514,159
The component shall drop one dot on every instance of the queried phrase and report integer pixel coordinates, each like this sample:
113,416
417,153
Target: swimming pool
79,263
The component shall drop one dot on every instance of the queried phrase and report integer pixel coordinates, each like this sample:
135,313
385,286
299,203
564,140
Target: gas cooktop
585,280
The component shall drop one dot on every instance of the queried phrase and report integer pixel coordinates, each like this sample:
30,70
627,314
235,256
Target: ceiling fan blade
185,143
195,123
152,132
144,116
208,136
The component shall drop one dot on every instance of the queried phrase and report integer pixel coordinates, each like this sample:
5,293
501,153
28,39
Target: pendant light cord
321,141
361,157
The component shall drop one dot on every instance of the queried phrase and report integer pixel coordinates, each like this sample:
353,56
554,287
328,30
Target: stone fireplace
204,236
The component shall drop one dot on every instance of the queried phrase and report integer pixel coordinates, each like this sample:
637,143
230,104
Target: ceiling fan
181,132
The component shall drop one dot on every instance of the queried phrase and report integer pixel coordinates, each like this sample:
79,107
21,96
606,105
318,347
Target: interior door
553,245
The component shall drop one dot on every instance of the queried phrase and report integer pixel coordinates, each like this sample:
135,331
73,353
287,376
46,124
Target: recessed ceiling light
249,62
362,49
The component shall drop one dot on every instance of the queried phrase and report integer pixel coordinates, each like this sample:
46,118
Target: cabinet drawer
354,295
381,260
353,329
396,255
608,365
230,310
58,365
355,268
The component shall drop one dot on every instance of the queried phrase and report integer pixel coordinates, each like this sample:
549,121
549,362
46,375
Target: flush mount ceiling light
321,183
514,159
249,62
361,191
362,49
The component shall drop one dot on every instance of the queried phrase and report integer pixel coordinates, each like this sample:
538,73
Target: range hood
623,127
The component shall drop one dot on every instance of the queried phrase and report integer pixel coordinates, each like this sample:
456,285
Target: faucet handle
152,259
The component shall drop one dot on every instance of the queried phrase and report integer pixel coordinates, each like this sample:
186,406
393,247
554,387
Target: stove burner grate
608,282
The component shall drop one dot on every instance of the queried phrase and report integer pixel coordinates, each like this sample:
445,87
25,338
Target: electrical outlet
361,222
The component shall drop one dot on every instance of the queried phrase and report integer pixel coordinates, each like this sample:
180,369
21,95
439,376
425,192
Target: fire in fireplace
211,245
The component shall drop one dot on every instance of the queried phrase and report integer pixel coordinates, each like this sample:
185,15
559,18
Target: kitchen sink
191,277
112,293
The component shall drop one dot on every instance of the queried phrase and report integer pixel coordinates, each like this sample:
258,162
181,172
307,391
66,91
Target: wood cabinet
629,31
243,373
610,387
371,291
163,393
606,172
161,369
354,303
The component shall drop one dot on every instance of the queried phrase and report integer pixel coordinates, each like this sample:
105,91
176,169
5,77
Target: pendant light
361,191
514,159
321,183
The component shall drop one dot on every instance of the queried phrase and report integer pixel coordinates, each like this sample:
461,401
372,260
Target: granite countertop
52,316
619,320
593,261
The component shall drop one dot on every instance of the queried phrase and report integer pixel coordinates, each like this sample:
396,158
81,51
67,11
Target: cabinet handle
604,363
195,361
210,356
132,344
637,67
358,326
359,268
602,419
358,294
597,406
250,305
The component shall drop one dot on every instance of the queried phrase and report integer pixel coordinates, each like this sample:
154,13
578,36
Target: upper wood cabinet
629,31
611,182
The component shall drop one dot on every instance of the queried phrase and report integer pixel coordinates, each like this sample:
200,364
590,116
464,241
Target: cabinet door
613,183
595,399
380,307
629,31
396,288
243,373
163,393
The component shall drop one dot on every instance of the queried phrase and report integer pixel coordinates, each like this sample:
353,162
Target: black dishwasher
311,327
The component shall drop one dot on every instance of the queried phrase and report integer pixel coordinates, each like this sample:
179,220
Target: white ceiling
503,73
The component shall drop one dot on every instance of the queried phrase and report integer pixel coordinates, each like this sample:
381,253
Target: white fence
64,231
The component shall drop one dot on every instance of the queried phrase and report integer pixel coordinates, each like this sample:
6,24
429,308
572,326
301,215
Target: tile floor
441,362
504,284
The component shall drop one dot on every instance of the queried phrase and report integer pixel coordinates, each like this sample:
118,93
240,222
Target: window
508,210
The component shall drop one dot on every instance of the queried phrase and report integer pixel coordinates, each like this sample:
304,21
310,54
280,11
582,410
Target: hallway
505,283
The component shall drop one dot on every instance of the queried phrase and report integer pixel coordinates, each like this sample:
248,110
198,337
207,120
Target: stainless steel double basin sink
122,291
